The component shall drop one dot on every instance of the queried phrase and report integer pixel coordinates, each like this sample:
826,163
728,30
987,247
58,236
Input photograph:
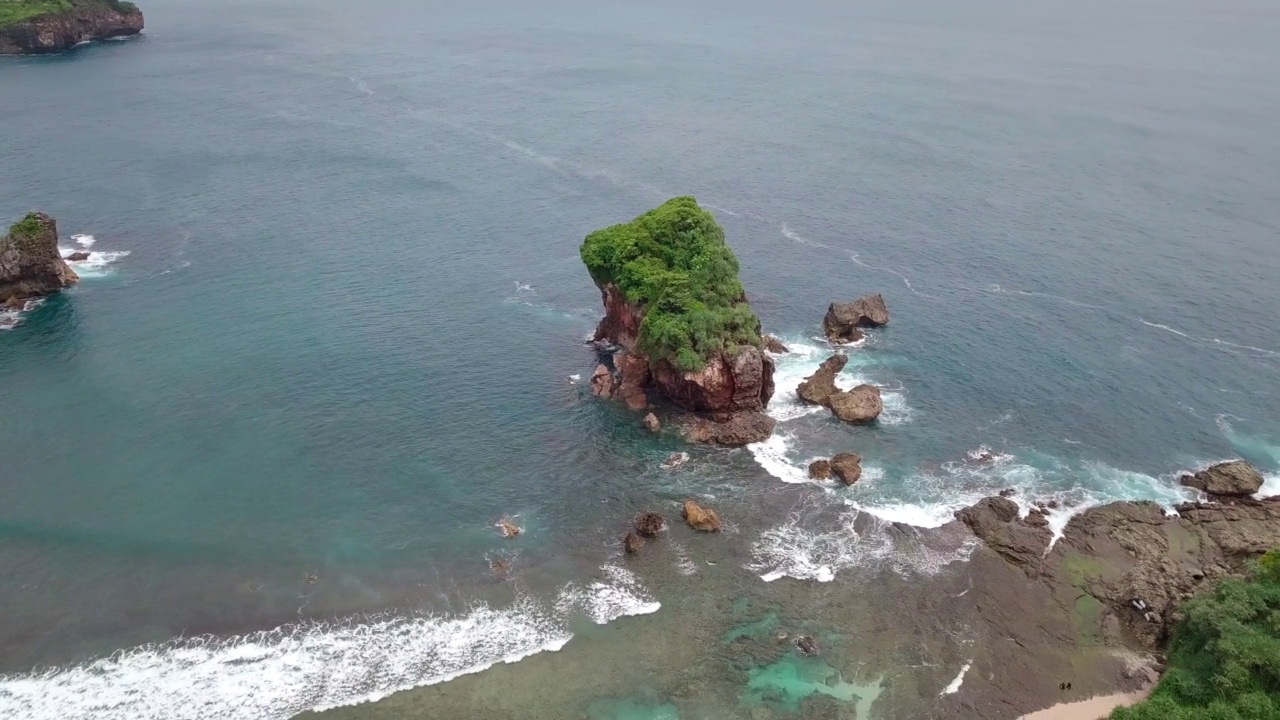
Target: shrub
674,262
1224,661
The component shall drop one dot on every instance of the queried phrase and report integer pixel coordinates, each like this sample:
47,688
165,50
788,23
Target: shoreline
1095,708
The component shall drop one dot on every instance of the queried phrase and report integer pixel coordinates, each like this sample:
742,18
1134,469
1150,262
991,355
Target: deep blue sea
329,327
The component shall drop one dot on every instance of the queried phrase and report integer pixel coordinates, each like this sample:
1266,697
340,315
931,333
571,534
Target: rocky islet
29,27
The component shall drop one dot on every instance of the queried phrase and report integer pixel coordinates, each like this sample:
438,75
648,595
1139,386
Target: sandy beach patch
1094,708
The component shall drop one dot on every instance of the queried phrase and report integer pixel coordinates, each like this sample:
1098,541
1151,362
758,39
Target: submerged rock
1230,479
55,28
807,645
632,543
842,320
652,423
860,405
675,460
649,524
847,467
30,264
700,518
821,385
507,528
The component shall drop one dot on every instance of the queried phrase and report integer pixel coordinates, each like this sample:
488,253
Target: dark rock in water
632,543
77,256
807,645
1036,518
774,345
602,382
67,25
820,469
860,405
652,423
675,460
847,467
507,528
821,385
700,518
30,264
649,524
735,430
1230,479
843,319
1008,492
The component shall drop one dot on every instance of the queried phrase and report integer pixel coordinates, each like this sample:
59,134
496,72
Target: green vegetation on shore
673,261
1224,661
15,11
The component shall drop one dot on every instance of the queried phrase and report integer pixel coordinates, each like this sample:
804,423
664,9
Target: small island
679,319
29,27
30,264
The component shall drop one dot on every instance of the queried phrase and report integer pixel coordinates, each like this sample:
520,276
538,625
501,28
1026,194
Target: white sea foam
954,687
97,264
279,673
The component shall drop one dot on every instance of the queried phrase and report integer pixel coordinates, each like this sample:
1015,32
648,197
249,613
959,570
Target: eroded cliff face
741,381
30,264
83,21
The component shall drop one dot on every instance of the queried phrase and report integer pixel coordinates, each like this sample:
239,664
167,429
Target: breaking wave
279,673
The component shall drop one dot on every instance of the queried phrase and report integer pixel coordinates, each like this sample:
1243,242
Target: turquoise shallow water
341,338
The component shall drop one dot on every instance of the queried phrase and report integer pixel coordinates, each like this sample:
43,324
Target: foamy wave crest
97,264
803,553
803,360
10,319
311,666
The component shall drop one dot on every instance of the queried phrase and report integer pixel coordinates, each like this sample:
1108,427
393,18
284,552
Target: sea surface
333,314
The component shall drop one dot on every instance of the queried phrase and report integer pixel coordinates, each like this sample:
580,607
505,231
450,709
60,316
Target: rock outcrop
34,29
860,405
1230,479
632,543
733,430
652,423
1127,567
30,264
700,518
773,345
670,269
603,383
843,320
77,256
821,385
847,467
820,469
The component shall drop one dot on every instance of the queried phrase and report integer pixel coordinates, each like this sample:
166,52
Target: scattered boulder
77,256
820,469
632,543
602,382
847,467
507,528
30,264
652,423
700,518
843,319
735,430
820,386
807,645
773,345
649,524
1230,479
860,405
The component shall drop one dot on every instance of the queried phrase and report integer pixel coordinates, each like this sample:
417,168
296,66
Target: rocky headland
677,322
30,264
51,26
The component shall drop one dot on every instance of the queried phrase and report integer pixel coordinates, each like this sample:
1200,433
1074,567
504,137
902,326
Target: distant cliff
50,26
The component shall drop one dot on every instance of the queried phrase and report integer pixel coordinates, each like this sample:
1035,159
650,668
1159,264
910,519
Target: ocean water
250,465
